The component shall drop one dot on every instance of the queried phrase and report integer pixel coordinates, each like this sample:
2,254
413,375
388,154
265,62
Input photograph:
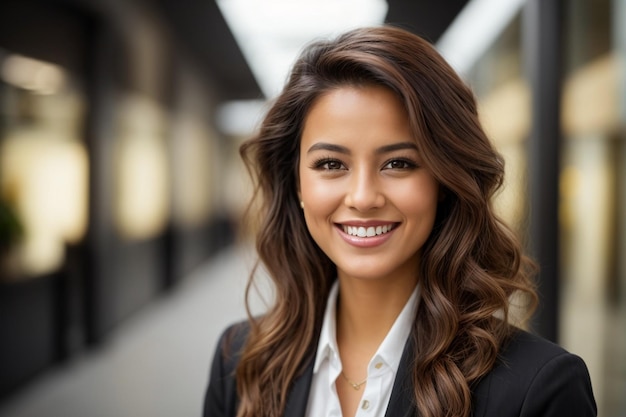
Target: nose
364,191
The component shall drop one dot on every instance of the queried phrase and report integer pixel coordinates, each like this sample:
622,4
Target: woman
393,276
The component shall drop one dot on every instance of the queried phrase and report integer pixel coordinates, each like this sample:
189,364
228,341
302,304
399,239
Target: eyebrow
323,146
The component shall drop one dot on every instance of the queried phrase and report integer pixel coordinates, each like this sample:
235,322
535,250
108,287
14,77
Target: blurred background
121,252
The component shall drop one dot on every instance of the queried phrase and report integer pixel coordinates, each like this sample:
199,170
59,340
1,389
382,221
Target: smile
371,231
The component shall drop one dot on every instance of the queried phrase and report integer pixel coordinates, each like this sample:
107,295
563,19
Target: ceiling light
271,33
474,30
31,74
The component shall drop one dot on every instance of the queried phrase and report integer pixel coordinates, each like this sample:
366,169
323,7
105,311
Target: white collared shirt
381,370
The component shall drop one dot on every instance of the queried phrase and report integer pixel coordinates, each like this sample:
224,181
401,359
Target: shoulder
525,352
535,377
232,341
221,395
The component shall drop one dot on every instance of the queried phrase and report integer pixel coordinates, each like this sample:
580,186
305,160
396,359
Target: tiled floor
156,364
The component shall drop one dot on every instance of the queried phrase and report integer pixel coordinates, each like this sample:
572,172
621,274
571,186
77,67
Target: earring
302,204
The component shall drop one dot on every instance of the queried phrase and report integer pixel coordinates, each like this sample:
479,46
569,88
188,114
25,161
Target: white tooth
379,230
371,231
353,231
362,232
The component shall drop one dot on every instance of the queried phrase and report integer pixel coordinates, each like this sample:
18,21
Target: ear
300,200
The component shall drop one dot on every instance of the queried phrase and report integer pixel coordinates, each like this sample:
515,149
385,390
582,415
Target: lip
365,223
365,242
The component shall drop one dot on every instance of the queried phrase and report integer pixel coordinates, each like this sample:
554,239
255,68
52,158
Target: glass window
593,196
43,165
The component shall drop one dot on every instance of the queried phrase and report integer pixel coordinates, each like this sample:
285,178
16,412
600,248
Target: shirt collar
327,344
389,351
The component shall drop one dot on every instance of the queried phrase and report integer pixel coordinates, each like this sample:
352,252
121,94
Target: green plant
11,229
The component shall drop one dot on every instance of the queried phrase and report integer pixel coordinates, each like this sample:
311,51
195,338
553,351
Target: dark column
103,64
542,57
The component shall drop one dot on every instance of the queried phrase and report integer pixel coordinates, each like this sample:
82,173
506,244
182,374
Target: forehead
361,112
341,97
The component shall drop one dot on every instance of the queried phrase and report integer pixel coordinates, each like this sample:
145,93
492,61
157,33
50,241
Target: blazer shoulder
534,376
221,395
524,349
232,342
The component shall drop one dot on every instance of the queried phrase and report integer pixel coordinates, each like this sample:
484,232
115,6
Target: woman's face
368,202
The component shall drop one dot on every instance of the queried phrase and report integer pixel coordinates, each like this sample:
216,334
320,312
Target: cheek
321,201
319,198
311,186
419,198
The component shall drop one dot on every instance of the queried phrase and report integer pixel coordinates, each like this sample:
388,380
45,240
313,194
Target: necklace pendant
355,385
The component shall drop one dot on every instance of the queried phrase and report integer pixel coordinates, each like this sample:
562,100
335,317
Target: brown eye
328,164
400,164
332,165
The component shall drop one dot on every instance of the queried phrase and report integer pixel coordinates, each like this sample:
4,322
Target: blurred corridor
157,364
121,186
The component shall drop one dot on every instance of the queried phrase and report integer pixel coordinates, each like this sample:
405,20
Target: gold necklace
355,385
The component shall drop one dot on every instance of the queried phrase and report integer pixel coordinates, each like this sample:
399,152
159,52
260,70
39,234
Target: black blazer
533,378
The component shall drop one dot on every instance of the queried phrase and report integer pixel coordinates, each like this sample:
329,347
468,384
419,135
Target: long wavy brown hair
472,265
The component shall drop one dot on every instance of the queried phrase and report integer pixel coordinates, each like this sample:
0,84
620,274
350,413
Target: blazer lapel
401,403
298,396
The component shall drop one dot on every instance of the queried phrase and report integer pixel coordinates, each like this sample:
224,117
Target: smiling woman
393,276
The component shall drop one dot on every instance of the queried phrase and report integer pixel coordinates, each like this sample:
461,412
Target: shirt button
378,365
365,405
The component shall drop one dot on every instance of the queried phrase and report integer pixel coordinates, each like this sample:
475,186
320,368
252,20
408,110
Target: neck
366,310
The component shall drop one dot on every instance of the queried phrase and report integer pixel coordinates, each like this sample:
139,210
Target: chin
365,272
